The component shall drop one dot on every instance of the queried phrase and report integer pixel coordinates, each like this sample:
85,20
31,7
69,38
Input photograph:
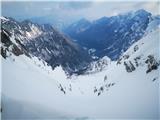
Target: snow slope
32,90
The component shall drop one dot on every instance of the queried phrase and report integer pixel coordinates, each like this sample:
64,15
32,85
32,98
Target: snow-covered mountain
111,36
48,44
123,89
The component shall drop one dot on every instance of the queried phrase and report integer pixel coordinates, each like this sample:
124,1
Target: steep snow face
154,24
31,89
144,49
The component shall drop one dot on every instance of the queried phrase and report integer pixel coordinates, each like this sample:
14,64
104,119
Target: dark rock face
7,46
111,36
129,66
58,50
152,64
46,43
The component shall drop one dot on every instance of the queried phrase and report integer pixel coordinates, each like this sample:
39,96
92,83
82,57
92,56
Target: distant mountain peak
141,11
111,36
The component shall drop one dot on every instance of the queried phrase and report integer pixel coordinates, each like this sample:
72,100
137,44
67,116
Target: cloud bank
90,9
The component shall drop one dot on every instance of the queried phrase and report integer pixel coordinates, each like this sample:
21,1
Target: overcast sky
91,9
